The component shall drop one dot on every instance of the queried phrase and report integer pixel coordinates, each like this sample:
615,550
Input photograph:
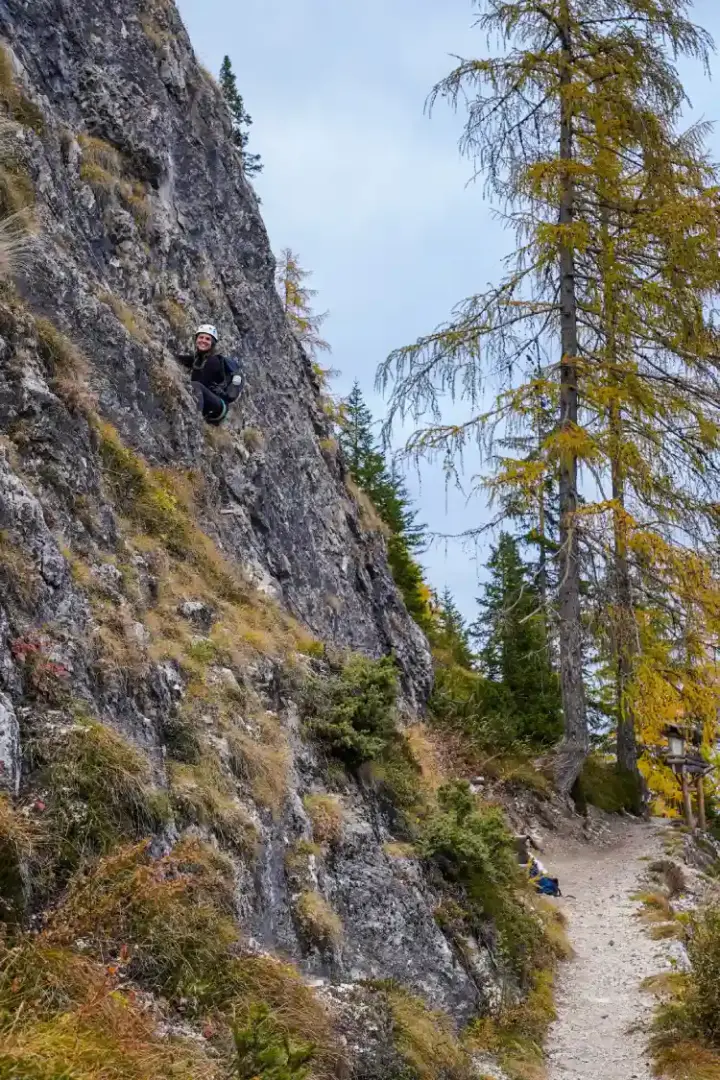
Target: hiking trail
602,1012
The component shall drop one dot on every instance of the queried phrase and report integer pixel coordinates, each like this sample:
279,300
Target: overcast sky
369,190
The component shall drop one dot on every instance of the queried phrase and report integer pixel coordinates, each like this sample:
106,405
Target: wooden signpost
691,767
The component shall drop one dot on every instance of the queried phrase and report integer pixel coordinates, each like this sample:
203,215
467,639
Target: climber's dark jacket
216,382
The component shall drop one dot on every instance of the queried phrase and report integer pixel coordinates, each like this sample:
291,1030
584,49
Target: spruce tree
451,635
241,120
386,490
359,444
514,649
573,123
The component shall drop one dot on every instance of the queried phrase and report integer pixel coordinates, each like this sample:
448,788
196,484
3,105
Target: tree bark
576,743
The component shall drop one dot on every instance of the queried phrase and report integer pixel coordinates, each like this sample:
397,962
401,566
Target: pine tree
241,120
297,302
573,123
515,654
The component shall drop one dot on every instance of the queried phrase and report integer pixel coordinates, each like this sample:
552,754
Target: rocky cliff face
165,582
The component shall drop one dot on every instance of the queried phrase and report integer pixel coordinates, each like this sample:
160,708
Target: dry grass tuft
17,244
202,795
396,849
253,439
326,817
17,195
317,920
19,576
687,1060
672,875
656,906
666,984
516,1037
163,925
554,925
167,921
18,106
175,315
19,840
665,931
426,753
101,154
101,788
367,513
62,1015
105,169
294,1006
426,1039
262,760
68,366
131,320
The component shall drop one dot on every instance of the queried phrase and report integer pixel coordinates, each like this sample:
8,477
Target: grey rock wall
140,236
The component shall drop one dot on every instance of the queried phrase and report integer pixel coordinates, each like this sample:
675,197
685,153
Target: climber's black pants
213,407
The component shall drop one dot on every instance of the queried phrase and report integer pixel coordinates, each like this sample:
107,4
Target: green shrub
602,784
704,952
265,1052
473,848
470,844
352,713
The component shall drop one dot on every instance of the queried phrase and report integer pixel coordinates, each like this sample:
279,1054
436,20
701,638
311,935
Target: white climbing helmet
209,329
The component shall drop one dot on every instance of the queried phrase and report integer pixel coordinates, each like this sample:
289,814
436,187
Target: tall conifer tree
241,119
573,124
515,652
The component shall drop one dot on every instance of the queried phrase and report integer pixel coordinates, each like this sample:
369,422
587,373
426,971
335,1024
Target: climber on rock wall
216,379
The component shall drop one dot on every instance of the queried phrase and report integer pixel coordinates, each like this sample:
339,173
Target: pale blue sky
370,191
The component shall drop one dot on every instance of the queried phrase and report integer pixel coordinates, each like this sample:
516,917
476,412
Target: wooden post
702,823
687,801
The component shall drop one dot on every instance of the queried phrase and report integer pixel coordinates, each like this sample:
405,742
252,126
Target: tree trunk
576,744
625,628
702,821
687,799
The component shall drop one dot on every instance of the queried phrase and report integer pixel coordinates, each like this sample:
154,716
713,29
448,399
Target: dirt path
600,1005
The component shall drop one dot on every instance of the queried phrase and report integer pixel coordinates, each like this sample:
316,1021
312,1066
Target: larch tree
573,125
296,297
241,119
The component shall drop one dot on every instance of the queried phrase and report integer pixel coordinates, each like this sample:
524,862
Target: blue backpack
548,886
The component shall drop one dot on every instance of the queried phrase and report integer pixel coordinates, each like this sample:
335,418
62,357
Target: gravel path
601,1009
